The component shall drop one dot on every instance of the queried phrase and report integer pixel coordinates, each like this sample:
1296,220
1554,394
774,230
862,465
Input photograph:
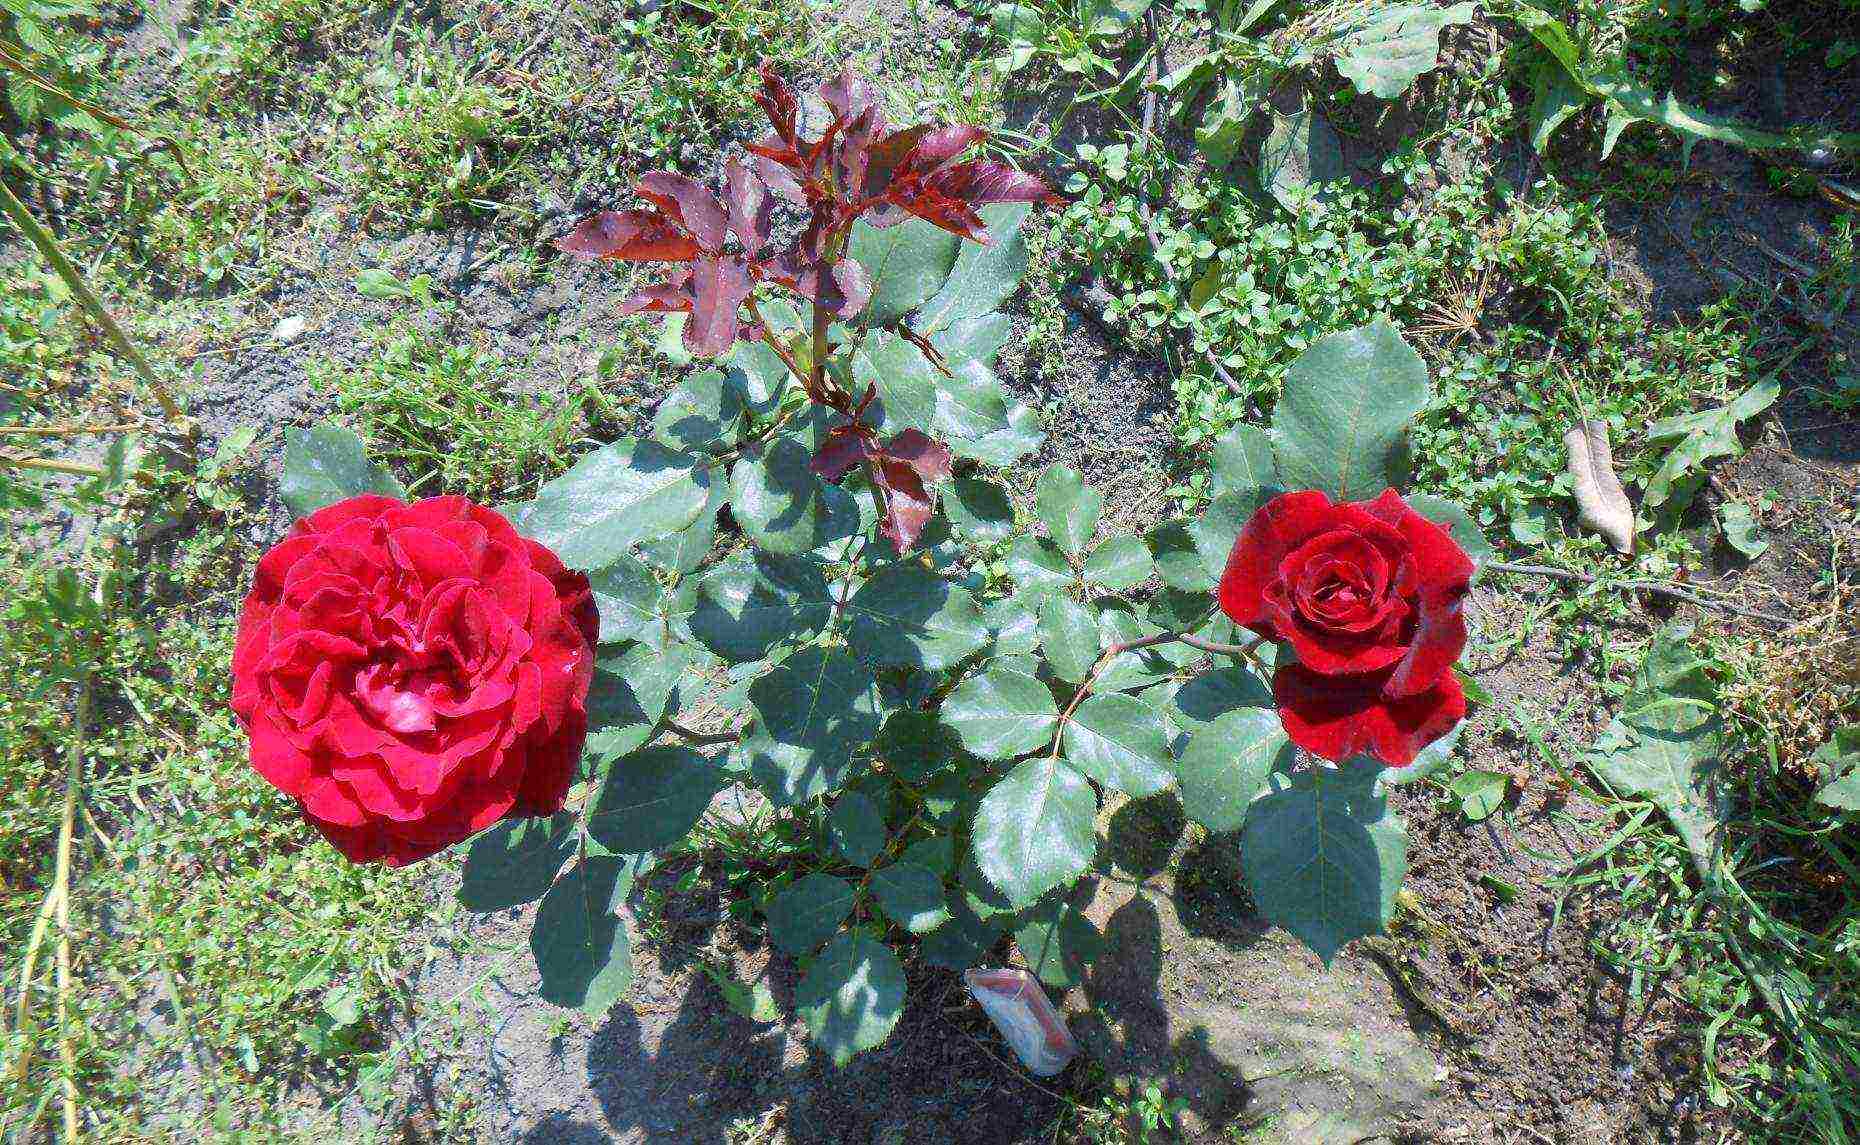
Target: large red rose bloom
411,674
1368,594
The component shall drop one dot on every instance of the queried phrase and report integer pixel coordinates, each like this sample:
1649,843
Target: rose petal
1336,717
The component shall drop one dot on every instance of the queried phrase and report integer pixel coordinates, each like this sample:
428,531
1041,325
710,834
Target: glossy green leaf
907,264
652,798
1037,566
909,617
1121,742
1178,558
1839,763
1069,508
783,506
820,701
983,275
911,896
580,944
754,601
1341,424
1243,463
808,912
1119,563
965,940
702,414
1035,829
1069,635
325,464
1323,855
1300,156
916,745
515,861
1001,713
615,497
851,996
1057,941
1225,763
980,420
857,828
979,508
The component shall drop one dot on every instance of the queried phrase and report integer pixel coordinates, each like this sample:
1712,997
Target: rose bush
412,674
934,687
1368,596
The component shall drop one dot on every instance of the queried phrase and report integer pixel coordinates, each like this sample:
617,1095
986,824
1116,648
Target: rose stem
1663,588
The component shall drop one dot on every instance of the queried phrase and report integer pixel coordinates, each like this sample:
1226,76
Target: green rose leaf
1069,634
1121,742
783,506
1323,856
1243,462
1341,424
916,745
615,497
1118,564
964,940
857,828
1178,559
1001,713
753,601
326,464
983,276
1069,508
627,598
1035,829
978,419
911,896
515,862
907,264
821,702
909,617
1225,763
1057,941
703,413
1015,624
1219,527
1037,566
809,912
580,944
652,798
851,996
979,509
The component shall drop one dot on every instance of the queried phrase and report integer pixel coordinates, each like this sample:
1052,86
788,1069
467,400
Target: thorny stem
701,739
46,463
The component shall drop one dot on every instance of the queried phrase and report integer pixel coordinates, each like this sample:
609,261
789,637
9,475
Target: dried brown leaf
1601,503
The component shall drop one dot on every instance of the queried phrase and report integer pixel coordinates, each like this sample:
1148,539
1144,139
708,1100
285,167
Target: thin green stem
41,238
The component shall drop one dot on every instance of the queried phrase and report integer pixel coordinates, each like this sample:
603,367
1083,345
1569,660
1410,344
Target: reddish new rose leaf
778,103
889,155
661,297
635,236
847,94
719,285
690,204
951,214
986,181
847,445
777,167
749,205
903,473
929,458
939,145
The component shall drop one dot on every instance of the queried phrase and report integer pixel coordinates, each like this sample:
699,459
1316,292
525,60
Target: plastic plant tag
1020,1009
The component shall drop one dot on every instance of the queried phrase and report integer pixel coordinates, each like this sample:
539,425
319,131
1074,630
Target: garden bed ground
1486,1014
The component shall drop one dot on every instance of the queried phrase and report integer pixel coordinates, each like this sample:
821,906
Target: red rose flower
1368,594
411,674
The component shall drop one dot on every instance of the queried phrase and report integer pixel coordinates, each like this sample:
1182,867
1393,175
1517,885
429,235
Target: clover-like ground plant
946,742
